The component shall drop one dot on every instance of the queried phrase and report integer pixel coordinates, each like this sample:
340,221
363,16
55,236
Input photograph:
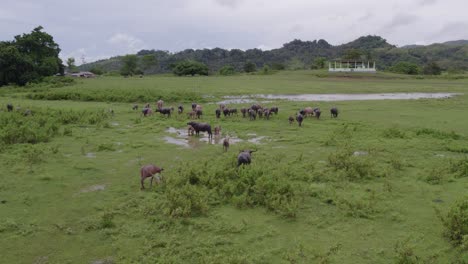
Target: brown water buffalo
222,106
226,144
190,130
274,109
252,114
199,113
194,105
266,113
291,120
217,130
244,157
9,107
204,127
148,171
192,114
226,112
308,111
244,112
147,111
165,111
159,103
299,119
334,112
218,113
256,107
233,111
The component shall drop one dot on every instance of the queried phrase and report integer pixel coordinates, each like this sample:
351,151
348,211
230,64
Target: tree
130,65
432,68
320,62
250,67
405,68
266,69
190,67
352,54
148,61
29,57
71,65
278,66
97,70
227,70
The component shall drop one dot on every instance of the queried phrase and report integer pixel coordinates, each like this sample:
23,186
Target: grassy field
386,182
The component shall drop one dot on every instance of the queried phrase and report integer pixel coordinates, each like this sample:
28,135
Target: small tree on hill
148,61
130,65
320,62
190,68
71,65
432,68
250,67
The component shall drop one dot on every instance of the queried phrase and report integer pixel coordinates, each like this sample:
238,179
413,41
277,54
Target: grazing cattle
226,112
260,113
190,130
192,114
291,120
149,171
252,114
180,109
147,111
135,107
334,112
194,105
218,113
308,111
233,111
204,127
244,112
217,130
274,109
222,106
244,157
9,107
266,113
226,144
317,112
299,119
165,111
198,107
199,113
256,107
159,103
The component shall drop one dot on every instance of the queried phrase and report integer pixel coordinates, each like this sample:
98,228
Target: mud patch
94,188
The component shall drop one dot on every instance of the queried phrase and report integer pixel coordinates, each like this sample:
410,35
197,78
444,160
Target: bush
250,67
190,68
432,68
456,222
227,70
405,68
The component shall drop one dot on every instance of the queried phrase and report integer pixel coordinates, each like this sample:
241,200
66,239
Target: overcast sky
99,29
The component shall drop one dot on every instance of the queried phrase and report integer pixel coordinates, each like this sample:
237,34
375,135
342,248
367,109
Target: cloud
427,2
128,42
229,3
399,20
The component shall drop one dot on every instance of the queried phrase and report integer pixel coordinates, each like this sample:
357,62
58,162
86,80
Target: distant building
352,66
83,74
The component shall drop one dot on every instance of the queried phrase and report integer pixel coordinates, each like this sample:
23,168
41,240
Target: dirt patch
94,188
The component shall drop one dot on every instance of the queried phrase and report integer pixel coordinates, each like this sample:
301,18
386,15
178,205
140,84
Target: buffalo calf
299,119
226,144
149,171
244,157
334,112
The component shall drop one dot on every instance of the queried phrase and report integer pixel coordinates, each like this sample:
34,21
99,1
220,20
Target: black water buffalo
226,112
204,127
233,111
199,113
244,112
165,111
149,171
180,109
218,113
252,114
194,105
226,144
147,111
256,107
317,112
135,107
274,109
244,157
9,107
266,113
299,119
334,112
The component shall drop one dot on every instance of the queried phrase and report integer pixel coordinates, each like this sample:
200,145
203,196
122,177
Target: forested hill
299,54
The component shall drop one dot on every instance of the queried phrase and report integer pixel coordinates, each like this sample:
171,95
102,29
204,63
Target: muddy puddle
181,138
333,97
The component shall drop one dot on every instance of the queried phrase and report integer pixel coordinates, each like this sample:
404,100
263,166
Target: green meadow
385,182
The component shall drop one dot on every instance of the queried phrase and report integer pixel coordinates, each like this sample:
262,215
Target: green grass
306,198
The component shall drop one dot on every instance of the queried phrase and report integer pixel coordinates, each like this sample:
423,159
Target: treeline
297,54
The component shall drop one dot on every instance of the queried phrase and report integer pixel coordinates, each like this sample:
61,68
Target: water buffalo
135,107
201,127
165,111
159,103
192,114
299,119
190,130
291,120
252,114
194,105
218,113
226,112
317,112
217,130
198,107
149,171
180,109
256,107
147,105
260,113
226,144
308,111
274,109
334,112
222,106
9,107
244,112
199,113
147,111
233,111
244,157
266,113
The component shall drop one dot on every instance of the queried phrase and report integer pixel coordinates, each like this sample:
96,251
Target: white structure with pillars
352,66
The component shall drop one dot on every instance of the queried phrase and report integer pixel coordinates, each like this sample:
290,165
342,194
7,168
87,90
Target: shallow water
334,97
